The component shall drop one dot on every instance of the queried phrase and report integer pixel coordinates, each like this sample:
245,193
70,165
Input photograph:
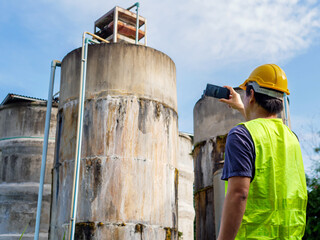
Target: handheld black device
216,91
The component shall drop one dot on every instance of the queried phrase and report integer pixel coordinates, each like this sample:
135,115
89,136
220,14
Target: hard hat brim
244,87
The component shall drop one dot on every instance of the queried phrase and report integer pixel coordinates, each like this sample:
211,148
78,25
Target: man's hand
234,100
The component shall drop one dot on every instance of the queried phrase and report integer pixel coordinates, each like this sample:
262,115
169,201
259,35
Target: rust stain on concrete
85,230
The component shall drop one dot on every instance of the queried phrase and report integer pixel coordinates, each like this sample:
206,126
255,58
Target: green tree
313,207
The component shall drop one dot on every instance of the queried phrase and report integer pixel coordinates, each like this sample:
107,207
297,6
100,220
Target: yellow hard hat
268,76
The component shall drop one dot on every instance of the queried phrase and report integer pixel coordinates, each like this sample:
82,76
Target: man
266,192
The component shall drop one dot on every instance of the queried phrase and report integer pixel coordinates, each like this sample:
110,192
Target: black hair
270,104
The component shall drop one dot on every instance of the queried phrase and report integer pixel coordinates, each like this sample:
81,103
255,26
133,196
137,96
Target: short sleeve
239,154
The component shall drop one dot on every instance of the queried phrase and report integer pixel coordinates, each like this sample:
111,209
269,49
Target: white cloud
197,33
235,30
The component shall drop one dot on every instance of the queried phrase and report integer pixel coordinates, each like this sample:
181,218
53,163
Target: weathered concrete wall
212,122
121,69
185,190
128,176
21,140
213,118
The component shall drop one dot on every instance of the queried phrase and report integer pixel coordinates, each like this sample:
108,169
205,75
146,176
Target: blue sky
210,41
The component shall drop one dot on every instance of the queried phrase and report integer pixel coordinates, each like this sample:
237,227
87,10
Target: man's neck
259,112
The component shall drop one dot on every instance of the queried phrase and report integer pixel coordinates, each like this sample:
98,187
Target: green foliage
313,207
313,210
317,149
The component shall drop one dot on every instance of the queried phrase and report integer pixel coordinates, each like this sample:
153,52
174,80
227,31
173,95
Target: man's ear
251,97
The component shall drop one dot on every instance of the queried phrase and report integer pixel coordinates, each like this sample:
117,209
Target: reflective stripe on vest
277,200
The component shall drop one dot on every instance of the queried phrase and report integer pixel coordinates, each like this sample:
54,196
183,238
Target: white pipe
145,32
83,75
77,162
115,25
285,102
54,64
137,23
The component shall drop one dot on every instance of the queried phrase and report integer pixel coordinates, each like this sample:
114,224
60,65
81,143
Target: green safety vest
277,199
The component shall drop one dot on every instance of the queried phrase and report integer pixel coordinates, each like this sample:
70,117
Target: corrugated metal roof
14,98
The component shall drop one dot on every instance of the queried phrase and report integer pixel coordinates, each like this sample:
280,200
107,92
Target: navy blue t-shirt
239,154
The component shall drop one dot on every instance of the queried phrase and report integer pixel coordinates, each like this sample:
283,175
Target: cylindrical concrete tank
212,122
21,139
185,191
128,176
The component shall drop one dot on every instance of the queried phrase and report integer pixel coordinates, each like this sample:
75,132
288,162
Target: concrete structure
22,121
185,190
212,122
128,177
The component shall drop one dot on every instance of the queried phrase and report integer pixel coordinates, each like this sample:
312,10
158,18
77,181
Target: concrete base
26,236
112,231
204,214
127,171
18,208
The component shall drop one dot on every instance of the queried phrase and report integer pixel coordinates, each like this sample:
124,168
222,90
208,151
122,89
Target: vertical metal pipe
145,32
54,63
115,24
137,24
79,137
285,102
